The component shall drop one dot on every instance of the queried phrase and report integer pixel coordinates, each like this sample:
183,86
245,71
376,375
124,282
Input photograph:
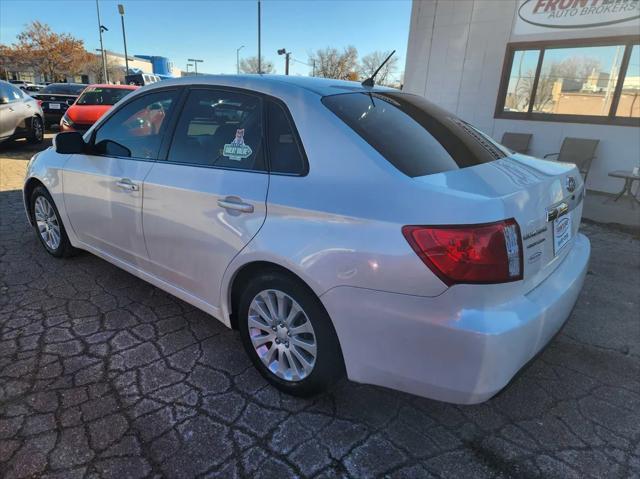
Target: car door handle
236,204
127,184
11,109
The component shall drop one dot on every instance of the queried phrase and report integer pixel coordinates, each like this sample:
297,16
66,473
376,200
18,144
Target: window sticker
237,150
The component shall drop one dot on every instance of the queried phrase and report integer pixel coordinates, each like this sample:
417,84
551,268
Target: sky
212,30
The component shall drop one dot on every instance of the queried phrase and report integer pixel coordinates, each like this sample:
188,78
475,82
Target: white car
338,227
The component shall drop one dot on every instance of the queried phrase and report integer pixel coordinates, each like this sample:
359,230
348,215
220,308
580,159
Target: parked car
337,226
22,84
20,115
141,79
94,102
56,98
34,87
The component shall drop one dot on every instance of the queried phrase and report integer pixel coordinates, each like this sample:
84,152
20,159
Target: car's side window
136,130
285,155
219,128
4,92
15,94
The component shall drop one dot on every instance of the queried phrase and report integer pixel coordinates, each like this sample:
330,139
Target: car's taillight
39,103
483,253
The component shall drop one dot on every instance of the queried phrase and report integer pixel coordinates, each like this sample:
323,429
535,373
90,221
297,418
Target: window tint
414,135
102,96
136,129
284,152
63,89
219,128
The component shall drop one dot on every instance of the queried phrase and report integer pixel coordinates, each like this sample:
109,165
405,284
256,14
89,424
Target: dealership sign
578,13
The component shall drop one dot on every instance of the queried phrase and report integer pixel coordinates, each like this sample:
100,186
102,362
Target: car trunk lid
544,197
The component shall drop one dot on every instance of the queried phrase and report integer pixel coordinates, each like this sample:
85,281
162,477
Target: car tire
47,222
36,130
328,364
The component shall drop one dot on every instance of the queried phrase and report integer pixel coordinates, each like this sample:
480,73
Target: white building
552,68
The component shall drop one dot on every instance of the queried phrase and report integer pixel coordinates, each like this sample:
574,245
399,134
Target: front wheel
36,130
288,335
48,225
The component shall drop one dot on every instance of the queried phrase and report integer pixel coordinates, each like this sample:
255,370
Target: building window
629,103
585,81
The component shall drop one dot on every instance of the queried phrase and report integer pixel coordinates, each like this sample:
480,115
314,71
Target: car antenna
369,81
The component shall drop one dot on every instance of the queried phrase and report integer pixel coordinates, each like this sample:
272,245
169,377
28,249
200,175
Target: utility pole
283,51
104,58
124,37
188,65
238,59
105,79
195,63
259,42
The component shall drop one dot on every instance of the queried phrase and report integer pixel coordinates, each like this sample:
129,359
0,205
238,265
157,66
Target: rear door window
219,128
415,136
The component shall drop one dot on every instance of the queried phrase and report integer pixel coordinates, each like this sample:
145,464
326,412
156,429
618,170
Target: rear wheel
48,225
36,130
288,335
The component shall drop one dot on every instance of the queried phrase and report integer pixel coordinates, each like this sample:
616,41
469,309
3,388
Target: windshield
63,89
414,135
102,96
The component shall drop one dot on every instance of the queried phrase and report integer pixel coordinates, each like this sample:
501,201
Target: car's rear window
63,89
415,136
102,96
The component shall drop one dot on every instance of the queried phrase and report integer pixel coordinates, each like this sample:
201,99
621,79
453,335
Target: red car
92,103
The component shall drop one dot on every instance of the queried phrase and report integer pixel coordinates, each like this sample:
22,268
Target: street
104,375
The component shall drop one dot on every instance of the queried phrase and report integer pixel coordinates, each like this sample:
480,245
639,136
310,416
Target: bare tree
94,67
250,65
370,63
330,63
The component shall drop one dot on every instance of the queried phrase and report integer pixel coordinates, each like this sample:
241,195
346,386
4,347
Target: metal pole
104,59
259,45
195,64
238,59
124,37
286,63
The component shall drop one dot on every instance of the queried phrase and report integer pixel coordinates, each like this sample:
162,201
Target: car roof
320,86
105,85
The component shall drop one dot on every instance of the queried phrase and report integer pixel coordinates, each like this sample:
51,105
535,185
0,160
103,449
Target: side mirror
4,100
69,142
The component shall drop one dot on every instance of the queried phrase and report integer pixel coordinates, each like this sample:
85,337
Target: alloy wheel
282,335
47,221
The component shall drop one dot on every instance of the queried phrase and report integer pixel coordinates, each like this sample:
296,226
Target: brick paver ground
103,375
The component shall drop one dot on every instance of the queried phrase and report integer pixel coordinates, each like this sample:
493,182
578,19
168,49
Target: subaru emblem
571,184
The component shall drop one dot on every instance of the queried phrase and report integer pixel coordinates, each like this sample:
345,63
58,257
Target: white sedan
339,227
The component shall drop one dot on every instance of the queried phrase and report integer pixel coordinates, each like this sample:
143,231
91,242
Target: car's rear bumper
53,118
438,348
